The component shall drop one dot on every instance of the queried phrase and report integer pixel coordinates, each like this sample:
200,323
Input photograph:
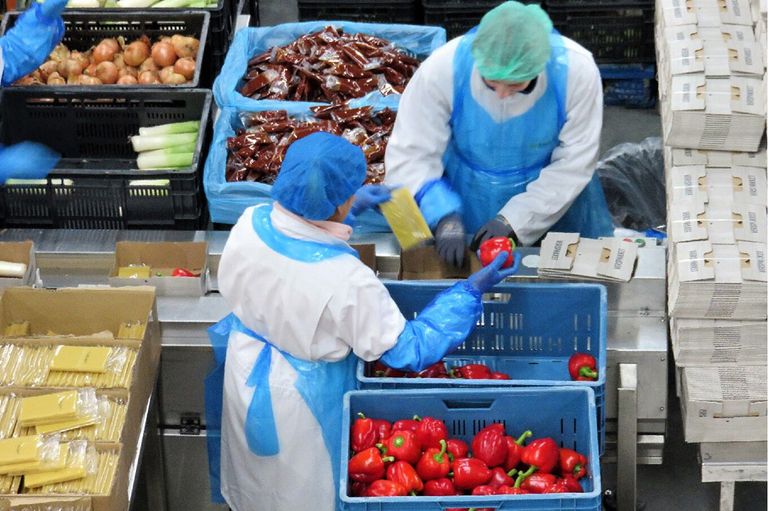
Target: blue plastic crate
567,414
528,331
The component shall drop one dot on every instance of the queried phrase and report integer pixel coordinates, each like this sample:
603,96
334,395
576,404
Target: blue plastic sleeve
437,200
441,327
29,42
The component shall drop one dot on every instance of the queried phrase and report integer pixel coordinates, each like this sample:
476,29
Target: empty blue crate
528,331
629,85
566,414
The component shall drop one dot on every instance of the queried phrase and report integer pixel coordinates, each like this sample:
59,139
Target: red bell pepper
404,473
403,446
582,367
472,372
535,483
405,425
368,465
457,448
436,370
489,445
515,449
573,463
571,484
439,488
357,488
363,434
382,371
542,454
430,431
558,487
501,478
510,490
434,463
469,473
183,272
384,488
495,375
484,489
383,429
490,248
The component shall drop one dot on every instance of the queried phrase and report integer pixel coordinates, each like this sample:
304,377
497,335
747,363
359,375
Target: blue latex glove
492,229
439,329
26,160
450,239
483,280
32,39
368,197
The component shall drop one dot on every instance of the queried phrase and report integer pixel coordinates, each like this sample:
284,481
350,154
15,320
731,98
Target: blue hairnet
319,173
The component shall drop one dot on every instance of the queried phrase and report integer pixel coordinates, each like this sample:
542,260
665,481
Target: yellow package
68,425
81,359
139,271
54,476
33,467
405,219
48,408
132,330
20,450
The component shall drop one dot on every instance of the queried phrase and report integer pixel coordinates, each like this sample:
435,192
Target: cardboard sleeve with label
704,13
706,342
567,255
699,183
714,58
720,221
680,157
19,252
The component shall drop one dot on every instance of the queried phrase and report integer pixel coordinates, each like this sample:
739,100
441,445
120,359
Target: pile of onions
167,61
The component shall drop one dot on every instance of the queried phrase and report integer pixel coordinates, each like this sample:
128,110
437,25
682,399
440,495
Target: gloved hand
496,227
484,280
370,196
29,42
450,239
26,160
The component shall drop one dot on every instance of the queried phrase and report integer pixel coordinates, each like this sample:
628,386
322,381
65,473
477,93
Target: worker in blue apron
497,134
23,49
305,309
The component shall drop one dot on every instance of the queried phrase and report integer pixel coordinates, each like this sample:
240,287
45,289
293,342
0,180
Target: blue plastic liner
227,201
566,414
528,331
421,41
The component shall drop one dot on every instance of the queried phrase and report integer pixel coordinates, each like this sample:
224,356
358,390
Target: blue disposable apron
488,162
321,384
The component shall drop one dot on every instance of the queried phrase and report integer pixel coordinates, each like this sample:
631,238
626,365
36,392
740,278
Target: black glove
492,229
450,239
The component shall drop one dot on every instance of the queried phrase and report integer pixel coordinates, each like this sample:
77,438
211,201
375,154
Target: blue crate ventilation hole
528,331
567,414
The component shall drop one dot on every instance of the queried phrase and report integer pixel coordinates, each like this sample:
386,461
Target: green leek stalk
173,4
135,4
151,142
157,160
171,129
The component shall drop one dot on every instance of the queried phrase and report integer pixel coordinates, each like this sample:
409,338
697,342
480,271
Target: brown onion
60,53
103,53
88,80
90,70
148,65
119,61
48,68
127,80
185,67
106,72
185,46
56,79
72,67
112,43
128,71
148,77
80,57
136,53
163,54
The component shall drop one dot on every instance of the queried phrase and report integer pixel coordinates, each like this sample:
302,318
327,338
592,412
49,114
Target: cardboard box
567,255
718,220
424,263
704,13
714,58
724,114
162,258
699,183
19,252
82,312
674,157
367,253
707,342
724,404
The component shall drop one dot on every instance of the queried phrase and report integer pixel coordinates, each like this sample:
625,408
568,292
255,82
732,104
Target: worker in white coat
304,310
22,50
497,134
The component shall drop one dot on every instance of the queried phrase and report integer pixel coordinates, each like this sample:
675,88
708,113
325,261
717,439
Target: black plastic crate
95,183
393,11
582,4
455,21
622,35
84,29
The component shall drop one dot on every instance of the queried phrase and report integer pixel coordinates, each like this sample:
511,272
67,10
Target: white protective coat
415,151
313,311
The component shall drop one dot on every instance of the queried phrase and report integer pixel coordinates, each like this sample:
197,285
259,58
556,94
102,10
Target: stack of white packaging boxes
711,60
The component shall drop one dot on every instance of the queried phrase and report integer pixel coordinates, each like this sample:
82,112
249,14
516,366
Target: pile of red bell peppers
581,367
416,457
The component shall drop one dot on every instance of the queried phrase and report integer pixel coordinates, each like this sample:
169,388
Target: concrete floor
677,483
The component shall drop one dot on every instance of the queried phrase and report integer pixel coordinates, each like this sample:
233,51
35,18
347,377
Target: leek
156,160
135,4
171,129
83,4
174,4
148,143
149,182
176,149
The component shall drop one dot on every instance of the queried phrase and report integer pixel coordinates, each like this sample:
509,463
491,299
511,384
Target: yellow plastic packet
405,219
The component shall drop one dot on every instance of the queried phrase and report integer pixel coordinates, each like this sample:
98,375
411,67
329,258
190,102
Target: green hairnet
512,42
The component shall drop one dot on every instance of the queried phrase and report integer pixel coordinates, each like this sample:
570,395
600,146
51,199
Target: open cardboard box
82,312
424,263
19,252
162,258
367,253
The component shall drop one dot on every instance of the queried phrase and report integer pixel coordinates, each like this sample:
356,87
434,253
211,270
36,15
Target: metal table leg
726,495
627,438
